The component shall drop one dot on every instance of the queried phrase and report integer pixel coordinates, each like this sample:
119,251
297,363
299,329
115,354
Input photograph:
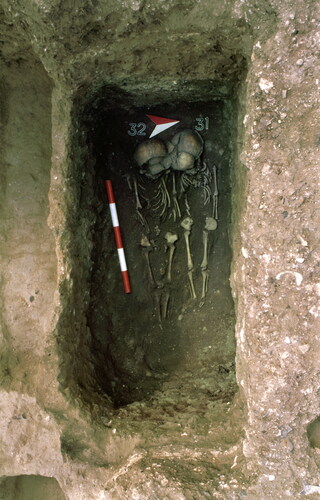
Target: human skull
153,157
184,149
149,155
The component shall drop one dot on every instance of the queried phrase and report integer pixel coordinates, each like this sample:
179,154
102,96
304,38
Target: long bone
146,249
162,299
165,305
171,238
215,194
158,304
186,224
211,225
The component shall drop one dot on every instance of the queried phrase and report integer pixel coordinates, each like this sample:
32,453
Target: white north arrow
161,124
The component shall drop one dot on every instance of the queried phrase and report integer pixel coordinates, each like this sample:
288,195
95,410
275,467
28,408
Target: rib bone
140,217
162,199
138,204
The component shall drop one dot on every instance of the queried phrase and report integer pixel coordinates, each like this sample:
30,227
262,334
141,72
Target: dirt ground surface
163,393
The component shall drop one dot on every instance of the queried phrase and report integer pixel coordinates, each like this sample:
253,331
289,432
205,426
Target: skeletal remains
162,297
180,153
171,238
140,217
178,160
211,225
146,249
181,157
186,224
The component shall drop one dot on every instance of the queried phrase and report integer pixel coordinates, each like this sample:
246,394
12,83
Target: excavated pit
129,406
159,338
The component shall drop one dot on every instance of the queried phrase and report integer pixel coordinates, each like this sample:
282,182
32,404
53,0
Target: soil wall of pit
28,255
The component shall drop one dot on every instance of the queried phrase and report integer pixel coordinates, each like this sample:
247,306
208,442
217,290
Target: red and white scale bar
117,235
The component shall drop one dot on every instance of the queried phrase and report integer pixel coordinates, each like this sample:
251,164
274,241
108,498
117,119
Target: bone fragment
171,238
146,249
